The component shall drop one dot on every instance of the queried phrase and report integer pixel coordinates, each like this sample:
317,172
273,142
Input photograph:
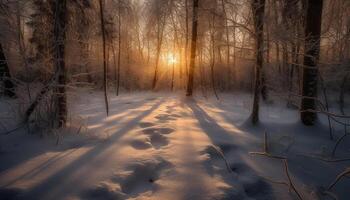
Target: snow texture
165,146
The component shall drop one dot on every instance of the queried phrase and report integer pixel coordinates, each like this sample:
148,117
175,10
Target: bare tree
59,53
193,48
119,46
5,75
312,53
104,55
258,8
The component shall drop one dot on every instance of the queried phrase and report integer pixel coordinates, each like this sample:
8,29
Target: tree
193,48
312,53
258,8
42,38
59,57
5,75
119,47
104,55
160,11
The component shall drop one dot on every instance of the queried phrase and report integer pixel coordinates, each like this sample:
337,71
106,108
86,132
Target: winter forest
174,99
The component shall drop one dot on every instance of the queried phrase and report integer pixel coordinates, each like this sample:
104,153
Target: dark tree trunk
119,48
193,48
186,37
59,53
213,59
312,52
104,55
5,76
258,7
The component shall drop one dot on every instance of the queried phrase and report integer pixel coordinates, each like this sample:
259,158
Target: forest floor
168,147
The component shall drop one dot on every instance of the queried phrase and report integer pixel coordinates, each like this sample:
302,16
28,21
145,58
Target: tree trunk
212,65
186,37
59,57
21,46
5,75
258,7
104,56
228,53
312,52
159,48
119,48
193,48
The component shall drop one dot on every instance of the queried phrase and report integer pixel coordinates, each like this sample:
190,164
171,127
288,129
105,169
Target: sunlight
171,59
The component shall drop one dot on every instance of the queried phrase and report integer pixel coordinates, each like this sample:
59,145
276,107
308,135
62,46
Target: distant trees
159,11
42,38
311,57
254,46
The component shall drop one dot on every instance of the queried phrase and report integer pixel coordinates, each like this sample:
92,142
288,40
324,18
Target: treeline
208,46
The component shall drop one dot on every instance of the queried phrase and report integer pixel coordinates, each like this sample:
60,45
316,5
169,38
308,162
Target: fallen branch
223,157
290,180
326,159
339,177
331,195
338,142
286,169
266,150
268,155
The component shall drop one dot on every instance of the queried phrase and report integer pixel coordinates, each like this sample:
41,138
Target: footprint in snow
156,136
158,141
165,118
142,177
137,180
163,131
141,144
146,124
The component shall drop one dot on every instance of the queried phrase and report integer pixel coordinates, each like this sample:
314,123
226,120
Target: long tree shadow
63,177
8,161
220,137
38,169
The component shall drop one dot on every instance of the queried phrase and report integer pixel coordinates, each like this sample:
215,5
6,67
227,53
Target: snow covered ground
165,146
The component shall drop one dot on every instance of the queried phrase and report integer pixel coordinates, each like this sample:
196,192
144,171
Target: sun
171,59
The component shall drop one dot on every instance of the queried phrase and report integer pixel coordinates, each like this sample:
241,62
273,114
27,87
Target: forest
174,99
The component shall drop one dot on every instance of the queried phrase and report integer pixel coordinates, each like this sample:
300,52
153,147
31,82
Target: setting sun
171,59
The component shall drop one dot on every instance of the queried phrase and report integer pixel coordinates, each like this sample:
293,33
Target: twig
223,157
330,194
326,106
268,155
21,125
290,180
266,150
338,142
340,176
326,159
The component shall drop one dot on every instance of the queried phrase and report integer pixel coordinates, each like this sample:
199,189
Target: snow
166,146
